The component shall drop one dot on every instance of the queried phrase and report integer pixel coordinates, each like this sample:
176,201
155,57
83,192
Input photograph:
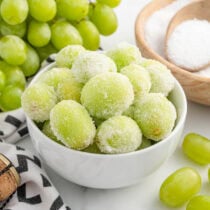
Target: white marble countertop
143,196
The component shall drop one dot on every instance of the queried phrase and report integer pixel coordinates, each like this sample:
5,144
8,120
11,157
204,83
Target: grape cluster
30,30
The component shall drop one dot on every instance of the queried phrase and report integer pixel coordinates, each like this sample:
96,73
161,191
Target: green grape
14,12
15,77
10,98
145,143
2,80
93,148
180,186
45,51
89,34
18,30
200,202
48,131
73,10
197,148
13,50
63,34
111,3
104,18
42,10
39,33
32,63
209,174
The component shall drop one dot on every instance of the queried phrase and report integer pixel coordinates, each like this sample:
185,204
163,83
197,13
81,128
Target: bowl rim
158,144
141,19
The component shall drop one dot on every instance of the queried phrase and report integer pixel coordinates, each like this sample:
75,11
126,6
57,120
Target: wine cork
9,178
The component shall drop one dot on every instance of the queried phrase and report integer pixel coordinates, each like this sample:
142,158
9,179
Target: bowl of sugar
186,52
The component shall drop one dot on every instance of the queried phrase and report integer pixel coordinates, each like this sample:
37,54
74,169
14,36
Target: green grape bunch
31,30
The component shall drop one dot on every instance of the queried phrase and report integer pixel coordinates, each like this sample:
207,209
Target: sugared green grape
42,10
63,34
180,186
48,131
72,124
14,12
125,54
139,78
32,62
161,77
73,10
13,50
107,95
111,3
10,98
38,100
55,76
45,51
155,115
145,143
2,80
118,134
97,122
89,34
92,149
104,18
199,202
69,89
90,64
197,148
38,34
67,56
18,30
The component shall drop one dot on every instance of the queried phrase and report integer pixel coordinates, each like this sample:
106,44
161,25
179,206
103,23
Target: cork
9,178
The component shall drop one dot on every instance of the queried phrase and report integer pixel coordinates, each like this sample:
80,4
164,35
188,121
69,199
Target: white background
143,196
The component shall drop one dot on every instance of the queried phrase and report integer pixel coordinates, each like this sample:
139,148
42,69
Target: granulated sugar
156,26
189,44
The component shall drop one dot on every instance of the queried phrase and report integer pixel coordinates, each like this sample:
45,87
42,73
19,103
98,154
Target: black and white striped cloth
36,192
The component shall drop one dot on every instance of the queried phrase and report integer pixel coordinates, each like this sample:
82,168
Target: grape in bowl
106,171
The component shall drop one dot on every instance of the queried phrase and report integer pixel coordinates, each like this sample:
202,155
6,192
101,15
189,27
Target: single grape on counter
200,202
197,148
179,187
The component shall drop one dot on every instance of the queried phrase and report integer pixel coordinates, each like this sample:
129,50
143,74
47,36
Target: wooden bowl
196,87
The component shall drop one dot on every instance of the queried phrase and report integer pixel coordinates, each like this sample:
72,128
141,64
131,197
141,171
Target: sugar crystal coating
161,77
89,64
37,101
67,56
124,54
69,89
118,134
72,124
54,76
155,115
107,95
139,78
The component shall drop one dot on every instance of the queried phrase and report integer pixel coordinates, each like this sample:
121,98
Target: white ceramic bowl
109,171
